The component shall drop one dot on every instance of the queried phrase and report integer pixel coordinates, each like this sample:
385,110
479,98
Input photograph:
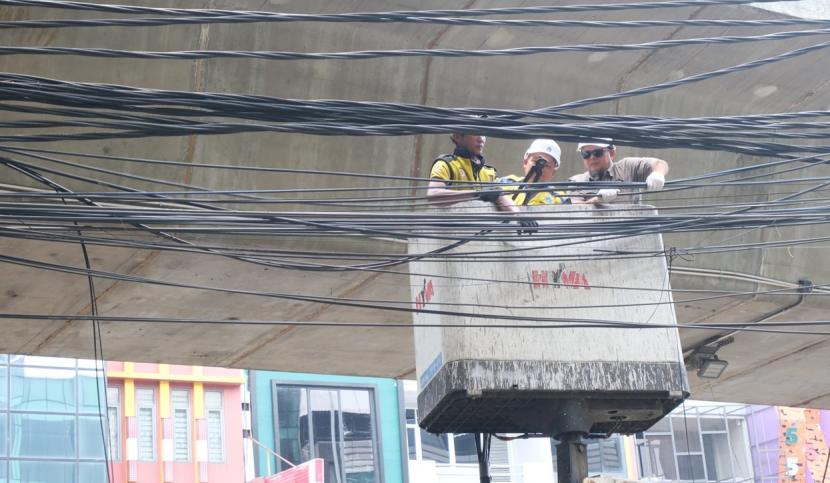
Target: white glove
655,181
608,195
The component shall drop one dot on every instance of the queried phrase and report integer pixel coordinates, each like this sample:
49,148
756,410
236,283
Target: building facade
789,444
163,423
360,426
352,423
50,424
170,423
699,441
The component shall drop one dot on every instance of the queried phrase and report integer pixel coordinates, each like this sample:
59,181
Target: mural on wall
804,453
815,446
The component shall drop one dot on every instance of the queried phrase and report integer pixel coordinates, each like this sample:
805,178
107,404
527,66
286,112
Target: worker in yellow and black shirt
540,163
466,164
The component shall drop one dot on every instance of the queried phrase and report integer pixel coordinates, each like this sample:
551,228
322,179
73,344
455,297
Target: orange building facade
170,423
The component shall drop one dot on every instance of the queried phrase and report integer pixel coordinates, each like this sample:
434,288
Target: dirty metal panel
597,363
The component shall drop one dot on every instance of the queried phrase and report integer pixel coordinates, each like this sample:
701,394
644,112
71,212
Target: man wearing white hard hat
540,163
598,156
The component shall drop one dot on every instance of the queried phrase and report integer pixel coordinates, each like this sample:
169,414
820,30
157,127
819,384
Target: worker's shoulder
634,160
632,168
512,178
447,158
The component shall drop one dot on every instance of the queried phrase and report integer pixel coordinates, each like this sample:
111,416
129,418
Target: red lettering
570,279
539,278
425,295
560,278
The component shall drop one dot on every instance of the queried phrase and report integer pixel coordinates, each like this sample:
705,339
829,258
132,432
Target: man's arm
578,197
657,178
659,166
439,194
505,203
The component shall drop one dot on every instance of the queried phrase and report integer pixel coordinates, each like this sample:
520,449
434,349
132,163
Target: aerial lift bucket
525,378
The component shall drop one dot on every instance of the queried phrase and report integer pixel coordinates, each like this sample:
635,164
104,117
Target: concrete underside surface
763,368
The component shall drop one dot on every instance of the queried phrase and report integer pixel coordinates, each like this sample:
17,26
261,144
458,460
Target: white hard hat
600,142
547,146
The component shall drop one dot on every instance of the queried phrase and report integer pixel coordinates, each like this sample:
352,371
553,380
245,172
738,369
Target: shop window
114,423
214,412
337,424
146,414
180,407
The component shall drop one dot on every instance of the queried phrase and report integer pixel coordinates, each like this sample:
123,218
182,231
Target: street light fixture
709,365
711,368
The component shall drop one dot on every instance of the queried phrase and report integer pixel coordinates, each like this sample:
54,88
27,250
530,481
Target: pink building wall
163,378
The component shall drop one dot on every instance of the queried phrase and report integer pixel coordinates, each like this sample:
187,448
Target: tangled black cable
391,16
537,322
376,54
95,96
258,18
120,218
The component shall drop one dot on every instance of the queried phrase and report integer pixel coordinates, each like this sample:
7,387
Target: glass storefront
51,428
697,443
337,424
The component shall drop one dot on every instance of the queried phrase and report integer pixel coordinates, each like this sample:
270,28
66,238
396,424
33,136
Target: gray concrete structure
764,368
633,376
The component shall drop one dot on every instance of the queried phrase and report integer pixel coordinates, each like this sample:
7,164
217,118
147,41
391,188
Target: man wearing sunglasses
598,157
466,164
540,163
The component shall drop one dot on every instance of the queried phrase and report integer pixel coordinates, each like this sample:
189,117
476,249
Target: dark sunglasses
594,152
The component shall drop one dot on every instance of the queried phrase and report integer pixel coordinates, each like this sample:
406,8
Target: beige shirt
624,170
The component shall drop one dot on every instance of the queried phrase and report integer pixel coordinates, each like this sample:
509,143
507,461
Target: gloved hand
608,195
489,196
655,181
529,227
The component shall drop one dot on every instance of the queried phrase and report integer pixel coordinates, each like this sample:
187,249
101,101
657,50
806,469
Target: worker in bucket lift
466,163
540,163
598,156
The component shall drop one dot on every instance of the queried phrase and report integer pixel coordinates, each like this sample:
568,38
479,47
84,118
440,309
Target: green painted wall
388,419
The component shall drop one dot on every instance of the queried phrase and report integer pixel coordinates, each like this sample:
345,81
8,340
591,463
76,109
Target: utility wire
346,302
243,18
357,122
773,292
374,16
820,158
374,54
602,324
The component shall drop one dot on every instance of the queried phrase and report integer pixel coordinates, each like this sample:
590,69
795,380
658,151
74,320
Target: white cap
547,146
608,143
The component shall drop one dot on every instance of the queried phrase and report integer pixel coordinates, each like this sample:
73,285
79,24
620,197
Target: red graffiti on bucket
425,295
559,278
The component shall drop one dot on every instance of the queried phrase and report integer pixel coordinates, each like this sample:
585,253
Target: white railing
271,452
